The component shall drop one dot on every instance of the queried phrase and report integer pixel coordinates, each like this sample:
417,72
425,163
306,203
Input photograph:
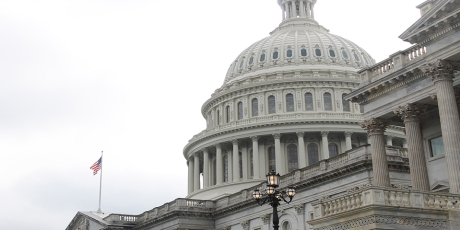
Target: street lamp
273,196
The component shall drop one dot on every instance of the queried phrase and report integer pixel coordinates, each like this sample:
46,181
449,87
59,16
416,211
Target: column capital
218,146
441,70
389,138
324,133
410,112
348,134
375,125
276,135
235,142
254,138
205,150
300,134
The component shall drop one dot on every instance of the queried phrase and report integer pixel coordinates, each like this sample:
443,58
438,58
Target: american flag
96,166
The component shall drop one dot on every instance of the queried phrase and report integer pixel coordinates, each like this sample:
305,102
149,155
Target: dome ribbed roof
298,43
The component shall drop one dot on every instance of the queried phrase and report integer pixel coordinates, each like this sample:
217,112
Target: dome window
318,52
309,102
327,102
251,60
275,55
241,64
332,53
303,52
345,55
262,57
289,53
290,102
356,56
271,105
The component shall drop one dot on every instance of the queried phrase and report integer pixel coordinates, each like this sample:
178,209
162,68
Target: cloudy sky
129,77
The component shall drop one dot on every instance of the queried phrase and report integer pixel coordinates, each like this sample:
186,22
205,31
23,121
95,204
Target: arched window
333,150
240,110
241,64
332,53
255,106
218,117
318,52
289,102
345,104
289,53
240,163
345,55
293,163
271,159
271,105
226,168
327,102
313,156
356,56
309,102
228,114
275,55
251,163
262,57
251,60
303,52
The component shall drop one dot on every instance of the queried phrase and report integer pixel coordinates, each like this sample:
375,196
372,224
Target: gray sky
129,77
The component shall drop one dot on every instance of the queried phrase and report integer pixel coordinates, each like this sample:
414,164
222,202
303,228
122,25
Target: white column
389,140
236,168
206,172
442,73
229,166
282,11
244,156
404,143
302,157
325,145
286,9
302,9
219,165
255,157
293,10
376,128
313,11
196,172
348,140
262,159
308,9
190,176
278,156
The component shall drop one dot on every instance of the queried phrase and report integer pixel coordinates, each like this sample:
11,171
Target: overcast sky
129,77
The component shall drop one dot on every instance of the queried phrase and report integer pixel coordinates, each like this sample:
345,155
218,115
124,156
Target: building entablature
440,20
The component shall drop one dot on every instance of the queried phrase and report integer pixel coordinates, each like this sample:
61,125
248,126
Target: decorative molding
324,133
441,70
276,135
348,134
266,218
300,209
380,219
254,138
300,134
245,224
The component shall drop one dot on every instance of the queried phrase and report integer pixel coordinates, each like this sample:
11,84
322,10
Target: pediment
444,16
440,186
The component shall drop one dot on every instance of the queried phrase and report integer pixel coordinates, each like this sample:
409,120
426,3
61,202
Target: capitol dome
281,107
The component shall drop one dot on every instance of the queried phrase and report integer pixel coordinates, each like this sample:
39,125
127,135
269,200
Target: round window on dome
318,52
345,55
332,53
275,55
289,53
356,56
251,60
303,52
262,57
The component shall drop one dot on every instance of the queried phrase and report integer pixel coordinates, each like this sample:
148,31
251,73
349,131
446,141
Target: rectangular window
437,146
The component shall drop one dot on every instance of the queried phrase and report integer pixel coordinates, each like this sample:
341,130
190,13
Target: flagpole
100,185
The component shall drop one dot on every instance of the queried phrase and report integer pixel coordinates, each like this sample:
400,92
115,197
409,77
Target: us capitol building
365,145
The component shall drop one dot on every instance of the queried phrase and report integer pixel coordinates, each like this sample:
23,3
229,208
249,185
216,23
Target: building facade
366,145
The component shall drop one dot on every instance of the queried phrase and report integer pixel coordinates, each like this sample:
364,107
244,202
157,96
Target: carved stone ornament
300,134
348,134
225,228
300,209
277,136
324,133
235,142
218,146
375,125
441,70
378,219
83,224
410,112
254,138
266,218
245,224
